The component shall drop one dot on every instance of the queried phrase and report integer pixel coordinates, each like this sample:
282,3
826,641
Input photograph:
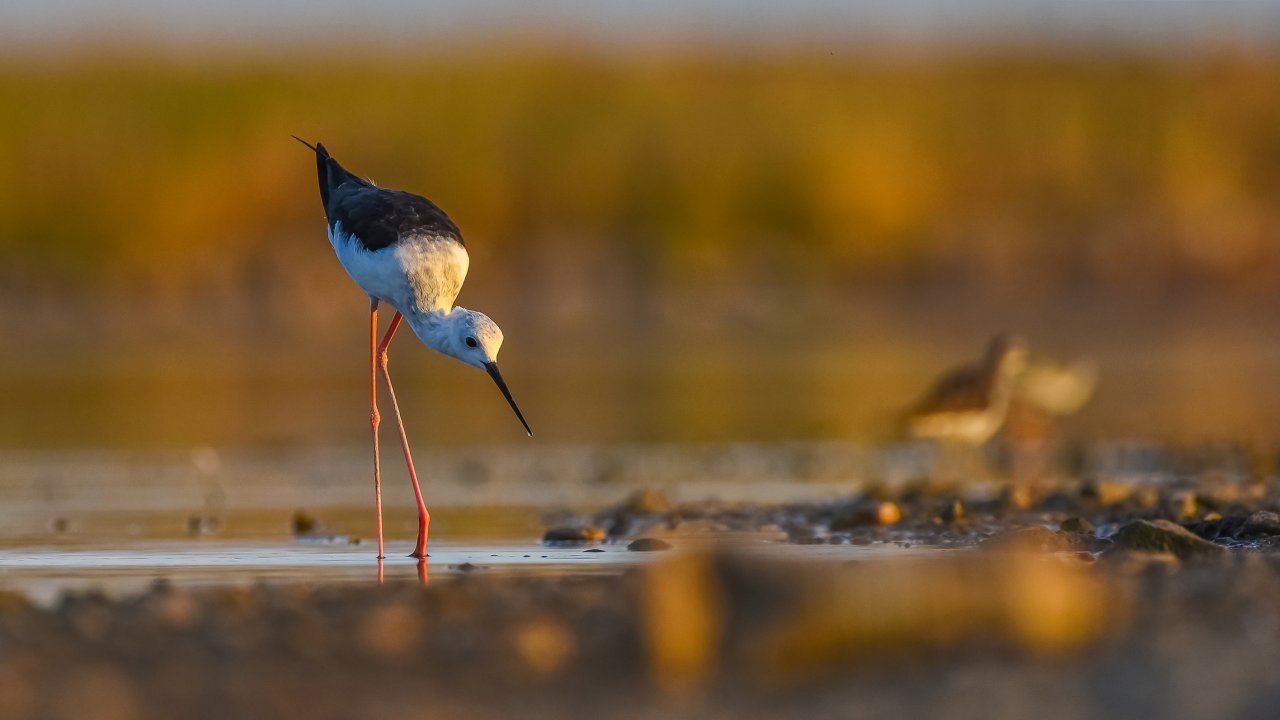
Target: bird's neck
432,328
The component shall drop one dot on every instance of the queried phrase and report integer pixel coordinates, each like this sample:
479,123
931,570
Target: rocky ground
1184,518
1099,600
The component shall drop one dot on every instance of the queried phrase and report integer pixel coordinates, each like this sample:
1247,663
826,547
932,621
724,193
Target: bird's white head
472,337
469,336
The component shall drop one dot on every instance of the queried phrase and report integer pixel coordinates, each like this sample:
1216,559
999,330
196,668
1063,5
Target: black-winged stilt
403,250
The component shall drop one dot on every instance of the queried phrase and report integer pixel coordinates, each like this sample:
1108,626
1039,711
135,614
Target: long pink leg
374,419
424,517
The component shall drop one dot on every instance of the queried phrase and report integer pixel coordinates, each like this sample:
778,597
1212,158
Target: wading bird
968,405
403,250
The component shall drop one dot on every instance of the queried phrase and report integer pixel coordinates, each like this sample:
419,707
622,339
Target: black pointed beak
492,368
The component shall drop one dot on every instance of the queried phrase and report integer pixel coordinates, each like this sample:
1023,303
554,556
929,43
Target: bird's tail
309,145
323,159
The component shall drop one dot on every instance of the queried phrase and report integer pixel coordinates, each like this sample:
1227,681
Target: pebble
888,513
1077,525
648,544
303,523
1060,502
1263,522
952,512
1164,536
856,515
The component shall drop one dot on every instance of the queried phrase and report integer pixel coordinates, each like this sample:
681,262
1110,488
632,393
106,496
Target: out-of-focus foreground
704,635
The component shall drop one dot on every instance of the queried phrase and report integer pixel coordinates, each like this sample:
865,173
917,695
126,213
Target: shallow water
118,522
45,573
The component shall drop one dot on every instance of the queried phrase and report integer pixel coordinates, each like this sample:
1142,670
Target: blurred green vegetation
620,173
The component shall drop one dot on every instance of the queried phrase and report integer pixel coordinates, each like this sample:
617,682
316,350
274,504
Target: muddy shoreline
1089,600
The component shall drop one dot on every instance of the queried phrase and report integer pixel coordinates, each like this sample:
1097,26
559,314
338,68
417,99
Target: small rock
1263,522
304,523
1077,525
888,513
853,516
1059,502
648,544
573,535
589,550
1220,527
467,567
865,513
1164,536
952,512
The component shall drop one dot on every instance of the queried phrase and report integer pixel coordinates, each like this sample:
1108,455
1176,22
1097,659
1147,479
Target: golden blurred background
685,238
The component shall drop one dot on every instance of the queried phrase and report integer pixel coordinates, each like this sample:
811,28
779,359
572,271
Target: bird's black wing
378,218
374,216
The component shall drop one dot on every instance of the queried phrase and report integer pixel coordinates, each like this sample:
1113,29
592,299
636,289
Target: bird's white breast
422,272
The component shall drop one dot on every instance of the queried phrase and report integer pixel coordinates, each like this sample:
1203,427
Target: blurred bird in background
968,405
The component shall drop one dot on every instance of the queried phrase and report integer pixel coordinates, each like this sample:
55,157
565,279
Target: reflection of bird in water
968,405
1046,390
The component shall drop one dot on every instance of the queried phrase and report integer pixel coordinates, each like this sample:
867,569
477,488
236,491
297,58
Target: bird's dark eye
471,342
